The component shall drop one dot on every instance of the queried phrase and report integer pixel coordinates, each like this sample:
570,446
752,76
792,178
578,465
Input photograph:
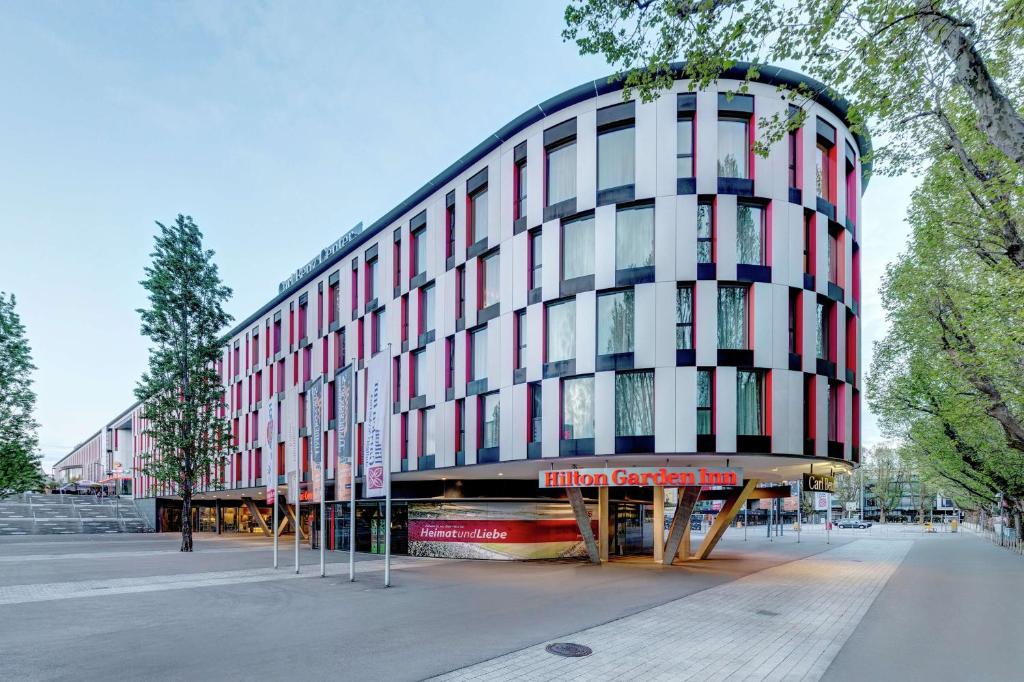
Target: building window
823,173
490,420
750,402
449,365
794,321
405,317
536,259
417,361
477,228
684,317
793,148
616,157
732,317
520,190
355,286
404,452
427,308
751,234
561,173
578,248
809,221
578,408
561,331
396,267
705,232
449,229
372,283
634,237
460,292
733,147
489,277
536,407
419,253
377,332
824,333
460,425
684,147
634,403
303,309
428,442
615,322
520,340
478,351
834,254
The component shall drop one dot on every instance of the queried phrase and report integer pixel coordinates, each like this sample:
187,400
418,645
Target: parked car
853,523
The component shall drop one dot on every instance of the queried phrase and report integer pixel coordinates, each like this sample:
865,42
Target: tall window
449,365
478,216
684,147
449,229
520,180
793,148
377,331
536,407
823,172
578,248
536,259
578,408
616,157
834,252
490,280
634,403
831,390
684,317
396,261
794,321
615,322
404,312
428,304
732,317
428,441
561,328
333,293
749,403
823,332
460,292
478,350
733,148
751,233
490,420
561,173
520,340
372,280
417,360
809,221
460,425
705,402
419,252
634,237
705,232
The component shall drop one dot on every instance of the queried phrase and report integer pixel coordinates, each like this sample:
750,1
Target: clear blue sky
258,119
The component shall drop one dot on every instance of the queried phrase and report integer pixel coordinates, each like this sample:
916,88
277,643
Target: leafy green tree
19,461
182,392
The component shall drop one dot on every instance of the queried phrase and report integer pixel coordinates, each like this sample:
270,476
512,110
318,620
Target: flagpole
275,519
294,443
387,488
354,462
323,486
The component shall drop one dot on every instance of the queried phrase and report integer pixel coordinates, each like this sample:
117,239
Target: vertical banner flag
376,438
269,450
343,395
315,399
291,457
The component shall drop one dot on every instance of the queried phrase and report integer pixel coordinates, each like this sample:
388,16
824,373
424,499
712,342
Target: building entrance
632,526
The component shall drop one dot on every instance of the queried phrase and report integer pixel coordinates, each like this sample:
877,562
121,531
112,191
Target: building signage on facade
325,254
639,476
291,435
269,443
343,395
316,437
377,409
818,483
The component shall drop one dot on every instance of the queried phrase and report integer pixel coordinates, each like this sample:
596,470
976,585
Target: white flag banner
289,423
315,419
375,436
269,451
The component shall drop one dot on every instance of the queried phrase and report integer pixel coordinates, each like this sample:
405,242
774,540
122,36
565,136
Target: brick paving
783,623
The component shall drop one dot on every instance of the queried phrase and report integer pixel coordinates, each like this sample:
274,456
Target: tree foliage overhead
19,459
182,392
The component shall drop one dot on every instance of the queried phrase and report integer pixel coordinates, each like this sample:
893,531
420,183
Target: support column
579,510
730,507
680,527
216,515
659,522
603,522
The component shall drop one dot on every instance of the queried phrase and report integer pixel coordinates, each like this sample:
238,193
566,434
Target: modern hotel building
600,283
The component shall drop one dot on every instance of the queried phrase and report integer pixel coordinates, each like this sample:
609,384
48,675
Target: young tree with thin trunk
19,460
182,392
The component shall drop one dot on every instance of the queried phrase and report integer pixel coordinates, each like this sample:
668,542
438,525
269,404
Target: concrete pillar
659,523
216,515
603,523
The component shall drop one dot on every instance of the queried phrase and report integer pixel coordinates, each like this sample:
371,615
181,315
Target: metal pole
275,515
353,458
387,491
799,499
298,513
828,521
771,508
323,513
746,506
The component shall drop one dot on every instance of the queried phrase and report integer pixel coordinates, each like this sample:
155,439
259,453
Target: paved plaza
887,603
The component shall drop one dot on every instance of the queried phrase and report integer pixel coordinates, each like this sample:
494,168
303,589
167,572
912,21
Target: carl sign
816,483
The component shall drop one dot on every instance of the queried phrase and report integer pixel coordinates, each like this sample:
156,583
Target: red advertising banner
473,530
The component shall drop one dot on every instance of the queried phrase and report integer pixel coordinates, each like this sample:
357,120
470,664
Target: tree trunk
186,521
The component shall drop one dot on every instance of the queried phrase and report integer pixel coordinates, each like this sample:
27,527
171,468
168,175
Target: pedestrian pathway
784,623
20,594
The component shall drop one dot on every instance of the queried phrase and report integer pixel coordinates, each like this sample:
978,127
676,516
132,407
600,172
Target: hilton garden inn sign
639,476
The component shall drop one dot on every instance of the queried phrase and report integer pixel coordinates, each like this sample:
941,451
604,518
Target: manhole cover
766,612
568,649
